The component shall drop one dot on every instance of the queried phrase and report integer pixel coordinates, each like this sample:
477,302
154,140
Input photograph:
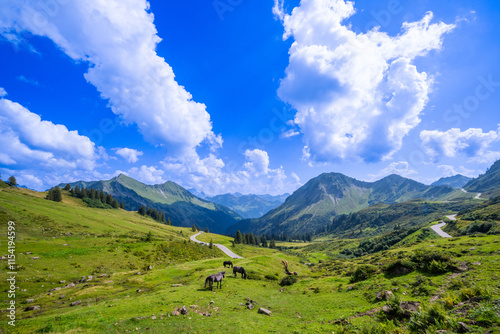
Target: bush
362,273
399,267
433,262
289,280
272,277
476,227
430,318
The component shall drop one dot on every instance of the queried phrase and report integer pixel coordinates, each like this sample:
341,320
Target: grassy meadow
137,283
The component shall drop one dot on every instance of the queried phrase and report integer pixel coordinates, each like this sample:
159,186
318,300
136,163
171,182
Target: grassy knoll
332,294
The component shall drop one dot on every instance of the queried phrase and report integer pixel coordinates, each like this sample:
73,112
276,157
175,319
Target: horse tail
206,281
244,272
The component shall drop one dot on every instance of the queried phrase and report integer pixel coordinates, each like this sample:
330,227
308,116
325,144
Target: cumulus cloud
2,92
129,154
356,95
213,176
258,162
448,171
147,174
118,40
472,143
26,139
401,168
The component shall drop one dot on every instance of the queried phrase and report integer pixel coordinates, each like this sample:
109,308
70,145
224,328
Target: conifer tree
264,241
194,228
12,181
57,194
272,244
67,187
238,238
122,206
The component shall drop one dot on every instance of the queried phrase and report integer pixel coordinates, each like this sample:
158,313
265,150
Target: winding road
437,228
226,250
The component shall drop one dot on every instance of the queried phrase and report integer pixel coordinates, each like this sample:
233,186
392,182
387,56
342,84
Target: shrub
362,273
399,267
272,277
289,280
430,318
433,262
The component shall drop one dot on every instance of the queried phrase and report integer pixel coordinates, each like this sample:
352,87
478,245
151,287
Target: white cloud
258,162
448,171
2,92
147,174
28,81
129,154
26,139
401,168
118,39
356,95
472,143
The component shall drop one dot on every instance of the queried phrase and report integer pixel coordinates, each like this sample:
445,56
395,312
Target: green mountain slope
456,181
182,207
315,204
487,182
249,206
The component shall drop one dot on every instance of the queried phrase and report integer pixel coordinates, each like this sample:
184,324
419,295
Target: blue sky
247,96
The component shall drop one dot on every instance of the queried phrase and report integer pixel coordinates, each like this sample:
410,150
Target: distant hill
487,182
249,206
315,204
178,204
456,181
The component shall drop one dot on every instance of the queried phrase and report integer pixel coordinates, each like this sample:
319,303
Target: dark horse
228,263
240,270
217,278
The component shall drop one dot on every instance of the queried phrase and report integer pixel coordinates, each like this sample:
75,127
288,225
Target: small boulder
175,312
176,285
384,295
264,311
410,306
78,302
250,306
462,327
35,258
62,282
183,310
30,300
90,278
33,308
150,267
83,279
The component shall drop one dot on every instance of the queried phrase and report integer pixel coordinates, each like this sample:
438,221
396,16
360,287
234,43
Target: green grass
109,245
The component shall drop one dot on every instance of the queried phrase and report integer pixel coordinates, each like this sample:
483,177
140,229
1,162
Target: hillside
182,207
487,182
86,270
249,206
456,181
314,205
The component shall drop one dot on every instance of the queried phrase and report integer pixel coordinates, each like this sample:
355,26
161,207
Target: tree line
155,214
92,197
254,240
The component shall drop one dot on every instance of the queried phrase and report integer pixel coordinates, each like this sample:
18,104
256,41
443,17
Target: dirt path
226,250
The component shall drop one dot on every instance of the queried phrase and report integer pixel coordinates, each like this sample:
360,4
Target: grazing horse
228,263
240,270
217,278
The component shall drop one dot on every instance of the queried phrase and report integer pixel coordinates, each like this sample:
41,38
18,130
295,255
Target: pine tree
122,206
142,210
115,204
238,238
194,228
252,239
67,187
211,245
264,241
109,199
206,230
77,191
272,244
102,196
169,222
12,181
50,194
57,194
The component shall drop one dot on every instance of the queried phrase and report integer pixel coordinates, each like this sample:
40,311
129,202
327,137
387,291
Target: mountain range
331,194
249,206
178,204
488,182
457,181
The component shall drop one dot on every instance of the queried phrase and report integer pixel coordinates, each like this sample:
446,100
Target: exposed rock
183,310
78,302
472,248
264,311
250,306
30,300
90,278
62,282
32,308
83,279
70,285
384,295
477,263
176,285
61,296
137,273
139,290
153,317
174,312
462,328
55,289
35,258
211,302
410,306
387,309
103,275
350,288
28,253
150,267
